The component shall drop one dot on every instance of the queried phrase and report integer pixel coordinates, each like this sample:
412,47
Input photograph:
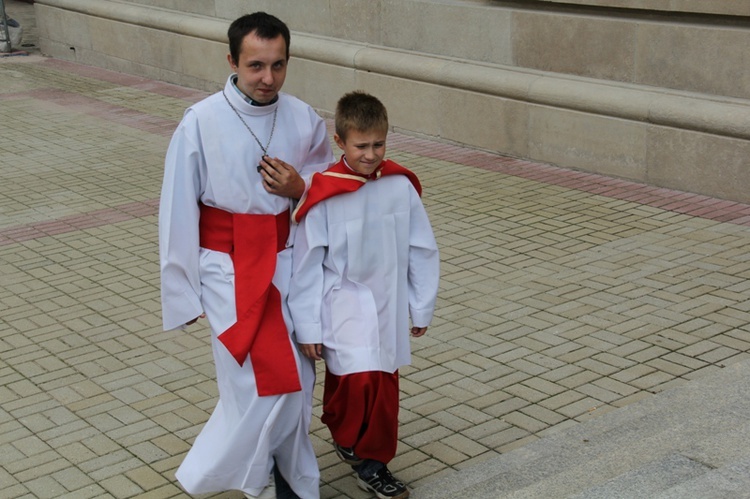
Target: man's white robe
364,263
212,158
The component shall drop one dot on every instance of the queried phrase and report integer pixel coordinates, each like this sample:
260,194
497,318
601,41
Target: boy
365,260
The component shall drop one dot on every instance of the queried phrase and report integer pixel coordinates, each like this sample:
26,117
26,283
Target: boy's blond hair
361,112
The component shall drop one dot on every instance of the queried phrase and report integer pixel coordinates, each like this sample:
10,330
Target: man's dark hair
265,26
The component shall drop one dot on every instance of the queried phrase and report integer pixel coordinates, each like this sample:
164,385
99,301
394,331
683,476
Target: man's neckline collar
248,99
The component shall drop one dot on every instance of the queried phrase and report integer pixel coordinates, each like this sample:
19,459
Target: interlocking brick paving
564,295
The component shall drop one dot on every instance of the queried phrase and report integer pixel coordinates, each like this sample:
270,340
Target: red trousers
361,411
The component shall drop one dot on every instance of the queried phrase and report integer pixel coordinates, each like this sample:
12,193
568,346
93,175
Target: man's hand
312,351
189,323
418,331
281,178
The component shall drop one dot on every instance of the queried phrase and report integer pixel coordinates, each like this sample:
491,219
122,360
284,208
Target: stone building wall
655,91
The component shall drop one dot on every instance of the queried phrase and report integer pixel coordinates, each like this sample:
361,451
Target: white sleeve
307,285
319,158
179,243
424,265
320,155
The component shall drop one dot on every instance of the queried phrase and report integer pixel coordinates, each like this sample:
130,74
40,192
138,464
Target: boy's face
364,151
261,69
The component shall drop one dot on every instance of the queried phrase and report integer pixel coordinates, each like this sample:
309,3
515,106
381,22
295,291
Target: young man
365,261
223,231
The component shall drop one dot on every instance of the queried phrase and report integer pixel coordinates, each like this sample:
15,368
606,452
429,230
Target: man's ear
231,63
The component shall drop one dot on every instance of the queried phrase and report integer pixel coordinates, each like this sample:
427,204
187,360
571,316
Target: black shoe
383,485
347,455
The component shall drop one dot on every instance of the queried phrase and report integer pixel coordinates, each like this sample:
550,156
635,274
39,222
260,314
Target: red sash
340,179
253,242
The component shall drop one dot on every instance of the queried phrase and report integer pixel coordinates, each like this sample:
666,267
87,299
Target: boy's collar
372,176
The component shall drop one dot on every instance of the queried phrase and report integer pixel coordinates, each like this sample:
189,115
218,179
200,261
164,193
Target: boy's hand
281,178
418,331
312,351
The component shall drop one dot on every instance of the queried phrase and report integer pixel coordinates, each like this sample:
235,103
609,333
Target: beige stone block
232,9
411,105
200,7
203,59
319,84
187,80
310,16
724,7
57,50
600,144
708,59
484,121
147,46
63,27
104,60
574,44
357,21
630,4
464,30
697,162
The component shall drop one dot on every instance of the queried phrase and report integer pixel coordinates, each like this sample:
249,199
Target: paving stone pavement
564,296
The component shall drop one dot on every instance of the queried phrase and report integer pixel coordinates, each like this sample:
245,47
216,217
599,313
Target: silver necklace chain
273,126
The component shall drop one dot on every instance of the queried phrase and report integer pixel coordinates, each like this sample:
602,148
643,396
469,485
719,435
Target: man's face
364,151
261,68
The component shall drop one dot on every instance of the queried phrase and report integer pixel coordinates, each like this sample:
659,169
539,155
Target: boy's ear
339,141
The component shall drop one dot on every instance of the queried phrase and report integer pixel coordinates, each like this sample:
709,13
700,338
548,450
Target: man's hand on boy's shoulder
418,331
312,351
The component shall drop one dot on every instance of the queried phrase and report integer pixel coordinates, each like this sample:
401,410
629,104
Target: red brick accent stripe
71,223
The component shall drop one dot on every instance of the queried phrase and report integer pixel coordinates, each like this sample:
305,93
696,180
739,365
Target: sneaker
347,455
384,485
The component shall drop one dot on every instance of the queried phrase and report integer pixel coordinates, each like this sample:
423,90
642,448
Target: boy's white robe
212,158
364,262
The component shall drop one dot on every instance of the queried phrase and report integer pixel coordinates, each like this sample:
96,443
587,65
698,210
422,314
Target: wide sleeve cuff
421,317
309,333
177,310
